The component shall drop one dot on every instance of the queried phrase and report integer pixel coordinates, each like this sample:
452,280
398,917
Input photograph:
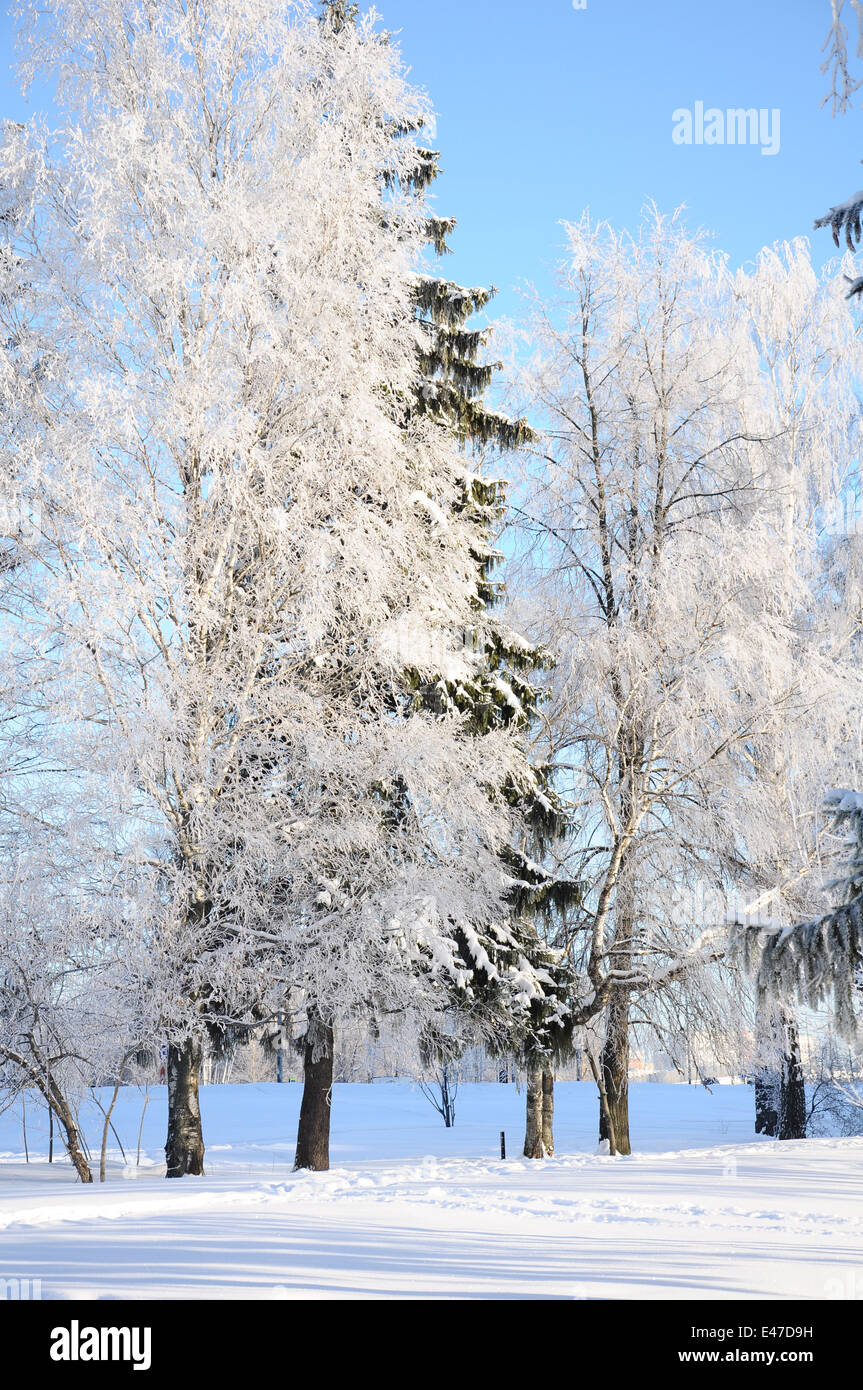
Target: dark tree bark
313,1132
448,1091
766,1104
605,1116
614,1063
184,1148
533,1114
548,1111
793,1120
780,1091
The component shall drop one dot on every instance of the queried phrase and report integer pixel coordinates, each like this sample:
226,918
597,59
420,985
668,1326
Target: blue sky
545,110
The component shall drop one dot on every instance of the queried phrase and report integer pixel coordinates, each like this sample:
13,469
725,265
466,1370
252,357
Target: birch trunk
548,1111
184,1148
534,1115
614,1063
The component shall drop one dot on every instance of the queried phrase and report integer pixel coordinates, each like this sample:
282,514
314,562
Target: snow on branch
844,217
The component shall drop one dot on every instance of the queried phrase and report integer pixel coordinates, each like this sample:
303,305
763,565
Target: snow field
412,1210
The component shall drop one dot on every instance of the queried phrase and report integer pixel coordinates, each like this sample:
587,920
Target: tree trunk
766,1104
614,1058
184,1149
82,1167
605,1117
58,1106
534,1114
548,1111
793,1113
313,1132
103,1152
614,1062
72,1139
780,1091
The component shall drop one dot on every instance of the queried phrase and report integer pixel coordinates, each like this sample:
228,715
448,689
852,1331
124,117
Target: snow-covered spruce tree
696,670
501,692
820,961
254,549
493,691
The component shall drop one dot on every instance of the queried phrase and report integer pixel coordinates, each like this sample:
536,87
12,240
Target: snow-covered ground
411,1209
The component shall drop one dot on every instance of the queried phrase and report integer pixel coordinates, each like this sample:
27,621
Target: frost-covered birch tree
807,346
250,546
70,1013
669,552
